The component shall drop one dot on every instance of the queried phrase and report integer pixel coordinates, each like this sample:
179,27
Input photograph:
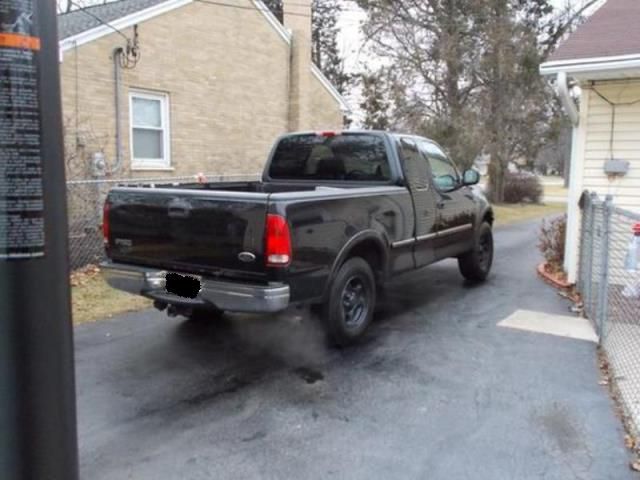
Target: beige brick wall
325,112
226,72
297,18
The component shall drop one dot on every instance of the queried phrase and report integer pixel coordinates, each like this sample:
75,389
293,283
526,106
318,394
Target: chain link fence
609,283
85,199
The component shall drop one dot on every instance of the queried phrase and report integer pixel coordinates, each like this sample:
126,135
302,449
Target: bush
551,242
522,188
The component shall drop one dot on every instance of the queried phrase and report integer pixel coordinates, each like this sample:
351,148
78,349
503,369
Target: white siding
626,146
626,143
592,149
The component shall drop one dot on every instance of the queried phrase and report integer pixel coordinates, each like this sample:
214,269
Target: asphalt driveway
437,391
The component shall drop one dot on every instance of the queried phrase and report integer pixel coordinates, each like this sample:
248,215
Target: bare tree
468,72
517,104
430,45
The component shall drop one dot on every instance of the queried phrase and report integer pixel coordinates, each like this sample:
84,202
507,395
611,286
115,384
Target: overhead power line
95,17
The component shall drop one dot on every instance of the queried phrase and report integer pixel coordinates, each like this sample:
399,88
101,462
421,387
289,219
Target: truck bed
203,227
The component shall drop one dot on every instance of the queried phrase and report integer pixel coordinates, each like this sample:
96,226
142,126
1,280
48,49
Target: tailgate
187,230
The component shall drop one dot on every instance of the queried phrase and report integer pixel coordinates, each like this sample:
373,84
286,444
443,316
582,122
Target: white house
597,72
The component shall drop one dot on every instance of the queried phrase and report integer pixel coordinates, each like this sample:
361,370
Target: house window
149,130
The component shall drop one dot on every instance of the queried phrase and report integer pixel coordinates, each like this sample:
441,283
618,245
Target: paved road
436,392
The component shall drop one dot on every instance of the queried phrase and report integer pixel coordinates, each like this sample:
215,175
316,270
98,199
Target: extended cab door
417,174
455,203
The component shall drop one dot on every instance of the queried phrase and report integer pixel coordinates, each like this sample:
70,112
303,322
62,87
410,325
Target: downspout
565,98
572,111
116,76
289,93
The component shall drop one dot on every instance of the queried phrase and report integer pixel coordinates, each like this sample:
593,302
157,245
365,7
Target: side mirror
470,177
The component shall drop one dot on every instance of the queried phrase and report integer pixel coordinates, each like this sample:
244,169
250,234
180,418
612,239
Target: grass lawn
92,299
514,213
555,191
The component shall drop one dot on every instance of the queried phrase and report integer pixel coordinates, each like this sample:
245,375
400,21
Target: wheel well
371,251
488,217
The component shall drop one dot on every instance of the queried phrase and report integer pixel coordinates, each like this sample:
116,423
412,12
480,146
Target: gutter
612,67
591,65
326,83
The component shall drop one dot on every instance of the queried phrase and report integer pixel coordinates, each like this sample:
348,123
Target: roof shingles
78,21
613,30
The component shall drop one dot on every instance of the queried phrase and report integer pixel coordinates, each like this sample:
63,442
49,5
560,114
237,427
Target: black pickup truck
335,216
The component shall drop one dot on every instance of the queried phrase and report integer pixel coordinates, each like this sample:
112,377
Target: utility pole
38,437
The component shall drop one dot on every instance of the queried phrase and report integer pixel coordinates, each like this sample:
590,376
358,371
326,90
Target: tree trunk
497,148
496,176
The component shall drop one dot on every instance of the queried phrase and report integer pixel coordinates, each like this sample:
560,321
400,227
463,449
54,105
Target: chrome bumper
229,296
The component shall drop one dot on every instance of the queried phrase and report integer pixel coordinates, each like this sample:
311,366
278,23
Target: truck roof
361,131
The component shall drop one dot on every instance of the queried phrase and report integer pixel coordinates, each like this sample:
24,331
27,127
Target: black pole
38,437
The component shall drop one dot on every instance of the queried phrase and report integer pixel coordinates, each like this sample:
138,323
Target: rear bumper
235,297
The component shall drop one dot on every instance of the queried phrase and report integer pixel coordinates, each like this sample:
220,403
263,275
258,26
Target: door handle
179,209
440,204
178,212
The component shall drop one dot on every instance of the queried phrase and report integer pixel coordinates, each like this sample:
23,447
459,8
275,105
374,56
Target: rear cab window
330,157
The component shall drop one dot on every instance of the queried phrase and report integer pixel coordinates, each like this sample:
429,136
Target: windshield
348,156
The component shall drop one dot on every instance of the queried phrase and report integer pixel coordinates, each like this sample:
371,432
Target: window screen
149,130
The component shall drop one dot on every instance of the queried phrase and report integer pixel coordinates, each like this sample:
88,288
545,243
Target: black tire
205,315
351,303
475,265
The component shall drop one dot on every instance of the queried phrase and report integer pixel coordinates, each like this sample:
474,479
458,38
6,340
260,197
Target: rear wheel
475,265
351,302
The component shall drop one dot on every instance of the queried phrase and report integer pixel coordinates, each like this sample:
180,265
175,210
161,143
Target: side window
414,163
150,136
445,174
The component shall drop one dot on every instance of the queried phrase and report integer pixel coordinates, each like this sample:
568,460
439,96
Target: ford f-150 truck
335,216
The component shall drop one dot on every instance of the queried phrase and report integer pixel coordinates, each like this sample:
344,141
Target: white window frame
152,163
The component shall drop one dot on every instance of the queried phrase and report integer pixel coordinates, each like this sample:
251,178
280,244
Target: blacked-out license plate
183,285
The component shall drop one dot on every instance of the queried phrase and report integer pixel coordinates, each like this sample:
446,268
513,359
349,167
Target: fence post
581,258
603,300
589,270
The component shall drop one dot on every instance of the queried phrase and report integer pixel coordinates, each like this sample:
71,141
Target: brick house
214,84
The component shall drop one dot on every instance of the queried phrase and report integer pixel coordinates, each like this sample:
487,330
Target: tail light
278,242
328,134
105,222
